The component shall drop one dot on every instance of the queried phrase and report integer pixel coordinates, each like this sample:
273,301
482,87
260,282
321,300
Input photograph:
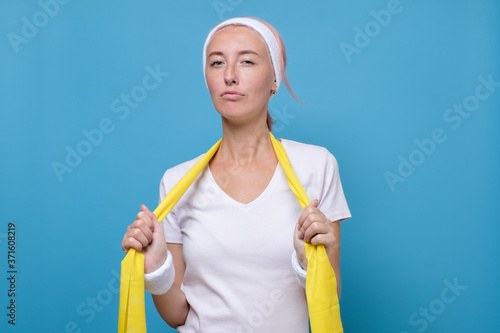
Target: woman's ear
274,88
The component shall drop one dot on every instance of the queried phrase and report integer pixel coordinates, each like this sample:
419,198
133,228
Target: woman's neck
243,145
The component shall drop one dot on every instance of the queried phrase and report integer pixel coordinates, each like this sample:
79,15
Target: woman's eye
248,62
216,63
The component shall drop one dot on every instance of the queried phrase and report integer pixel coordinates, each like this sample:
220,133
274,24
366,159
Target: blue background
407,240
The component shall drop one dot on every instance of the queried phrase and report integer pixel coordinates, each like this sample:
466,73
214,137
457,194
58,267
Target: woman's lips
232,95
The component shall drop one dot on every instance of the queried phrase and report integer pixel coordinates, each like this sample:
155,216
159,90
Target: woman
220,261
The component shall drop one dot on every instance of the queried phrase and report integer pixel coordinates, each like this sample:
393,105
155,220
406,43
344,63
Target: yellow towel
321,284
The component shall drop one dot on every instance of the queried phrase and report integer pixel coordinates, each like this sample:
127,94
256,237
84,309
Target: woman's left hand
312,227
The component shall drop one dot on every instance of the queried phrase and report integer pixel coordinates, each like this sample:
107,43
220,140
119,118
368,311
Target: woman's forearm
172,306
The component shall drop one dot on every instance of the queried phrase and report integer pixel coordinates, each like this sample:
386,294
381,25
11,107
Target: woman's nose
230,76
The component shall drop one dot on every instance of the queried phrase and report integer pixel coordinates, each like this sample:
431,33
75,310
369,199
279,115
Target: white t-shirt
239,277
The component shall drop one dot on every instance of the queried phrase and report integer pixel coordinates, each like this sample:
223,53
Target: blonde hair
282,54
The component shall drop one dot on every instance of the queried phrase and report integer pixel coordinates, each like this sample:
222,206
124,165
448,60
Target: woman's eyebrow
215,53
247,52
220,53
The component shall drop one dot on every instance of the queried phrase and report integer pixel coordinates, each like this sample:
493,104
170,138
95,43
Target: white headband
263,30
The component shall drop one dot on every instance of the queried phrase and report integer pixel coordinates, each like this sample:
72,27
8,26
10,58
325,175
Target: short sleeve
331,198
170,225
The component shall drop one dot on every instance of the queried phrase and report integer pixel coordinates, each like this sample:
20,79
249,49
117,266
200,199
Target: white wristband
160,281
300,273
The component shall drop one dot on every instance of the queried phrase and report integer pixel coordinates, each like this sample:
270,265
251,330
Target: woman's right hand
146,235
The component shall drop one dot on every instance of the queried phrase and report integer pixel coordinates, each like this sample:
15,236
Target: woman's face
239,74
